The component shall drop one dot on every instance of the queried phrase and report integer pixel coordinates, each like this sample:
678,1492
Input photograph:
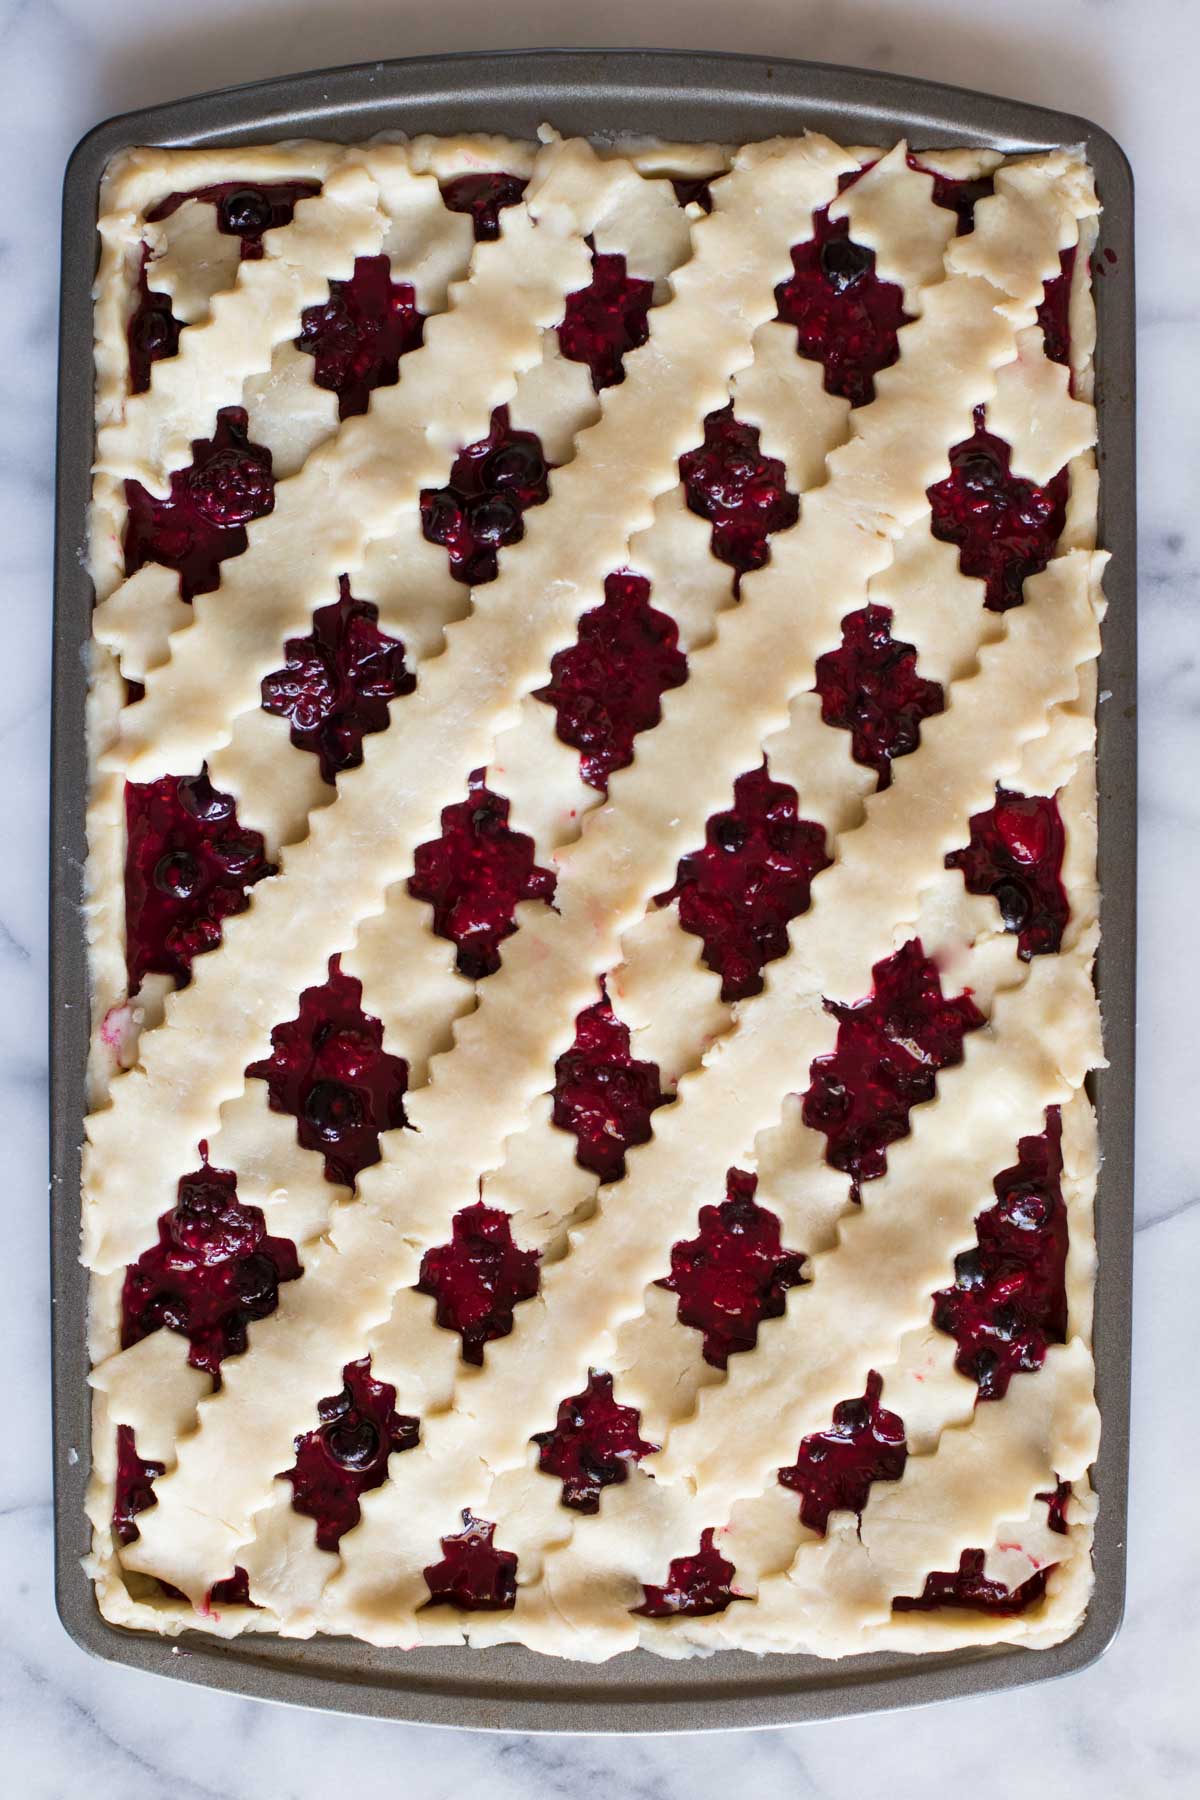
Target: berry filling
835,1469
203,519
484,197
479,1278
605,319
742,493
870,688
846,318
474,876
1054,313
696,1585
1006,529
348,1452
233,1591
188,864
753,875
1056,1507
1016,855
602,1093
133,1490
969,1589
152,332
592,1445
608,686
492,484
1009,1299
959,194
694,190
338,682
889,1049
213,1269
328,1068
735,1273
473,1576
359,334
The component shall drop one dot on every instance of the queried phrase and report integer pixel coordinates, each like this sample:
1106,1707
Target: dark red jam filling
696,1585
203,520
484,197
694,189
1016,855
1006,529
213,1269
605,319
152,332
593,1444
960,195
359,334
233,1591
329,1069
753,875
473,1576
835,1469
969,1589
890,1047
870,688
474,877
1056,1507
742,493
348,1452
846,318
492,484
339,682
608,686
188,864
479,1278
735,1273
602,1093
1054,313
133,1490
1009,1299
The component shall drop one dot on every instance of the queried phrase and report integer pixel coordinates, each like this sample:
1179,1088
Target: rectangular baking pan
600,93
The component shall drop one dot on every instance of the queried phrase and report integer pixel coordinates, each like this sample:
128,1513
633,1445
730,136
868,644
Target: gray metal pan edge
683,95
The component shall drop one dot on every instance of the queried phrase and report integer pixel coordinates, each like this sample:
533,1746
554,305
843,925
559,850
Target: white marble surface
1129,1724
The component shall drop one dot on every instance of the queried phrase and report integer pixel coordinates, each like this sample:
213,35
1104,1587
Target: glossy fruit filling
492,484
1016,855
203,519
969,1589
473,1576
339,682
694,190
1009,1299
348,1452
1054,312
835,1469
594,1444
328,1069
734,1273
846,318
152,332
484,196
889,1049
959,194
742,493
233,1591
359,334
602,1093
1006,529
133,1490
478,1278
475,875
188,865
753,875
214,1268
869,687
606,319
695,1586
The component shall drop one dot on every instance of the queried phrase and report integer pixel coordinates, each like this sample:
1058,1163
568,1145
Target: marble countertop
1126,1725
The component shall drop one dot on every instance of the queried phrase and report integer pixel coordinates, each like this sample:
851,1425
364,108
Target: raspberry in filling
475,875
593,1444
969,1589
359,334
1054,313
1005,528
473,1576
846,318
338,682
484,196
602,1093
869,687
328,1068
742,493
203,519
753,875
608,686
835,1469
1009,1299
959,194
605,319
735,1273
694,190
478,1278
348,1452
133,1491
492,484
1016,855
213,1269
890,1047
188,864
696,1585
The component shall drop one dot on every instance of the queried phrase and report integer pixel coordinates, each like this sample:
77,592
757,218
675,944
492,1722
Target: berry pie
592,895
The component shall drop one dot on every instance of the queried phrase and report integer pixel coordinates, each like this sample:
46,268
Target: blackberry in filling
478,1278
357,337
133,1490
734,1273
959,194
835,1469
602,1094
846,318
202,521
492,484
1015,854
606,319
969,1589
1006,529
473,1575
484,197
348,1452
742,493
869,687
696,1586
594,1443
1054,312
